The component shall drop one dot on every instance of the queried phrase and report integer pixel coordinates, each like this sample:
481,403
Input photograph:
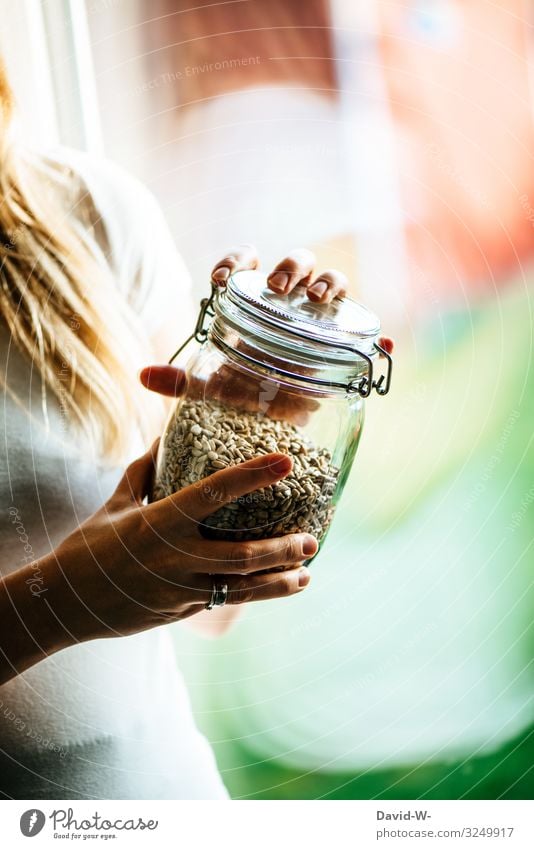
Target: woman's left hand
296,268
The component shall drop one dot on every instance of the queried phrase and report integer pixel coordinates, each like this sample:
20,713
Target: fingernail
220,275
318,288
309,546
145,373
386,343
279,280
281,466
304,577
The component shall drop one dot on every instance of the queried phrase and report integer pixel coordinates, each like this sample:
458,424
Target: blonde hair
58,299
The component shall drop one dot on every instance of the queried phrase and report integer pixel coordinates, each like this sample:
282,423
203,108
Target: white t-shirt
108,718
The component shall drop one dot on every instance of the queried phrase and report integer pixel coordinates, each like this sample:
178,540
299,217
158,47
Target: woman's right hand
133,566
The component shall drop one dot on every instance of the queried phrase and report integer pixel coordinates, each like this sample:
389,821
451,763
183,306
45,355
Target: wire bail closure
362,386
200,333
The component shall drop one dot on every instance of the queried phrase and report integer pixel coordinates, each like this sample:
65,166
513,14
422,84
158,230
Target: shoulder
123,203
130,228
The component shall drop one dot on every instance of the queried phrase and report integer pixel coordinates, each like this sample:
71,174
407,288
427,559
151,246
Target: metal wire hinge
200,332
364,385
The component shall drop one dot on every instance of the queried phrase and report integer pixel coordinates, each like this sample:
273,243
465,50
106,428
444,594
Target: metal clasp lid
200,332
362,385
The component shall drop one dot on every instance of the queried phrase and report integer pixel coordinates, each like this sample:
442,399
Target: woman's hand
296,268
230,387
134,566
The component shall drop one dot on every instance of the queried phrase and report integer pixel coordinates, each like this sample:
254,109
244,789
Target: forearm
29,628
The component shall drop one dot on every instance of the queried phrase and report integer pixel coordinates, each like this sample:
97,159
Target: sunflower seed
302,501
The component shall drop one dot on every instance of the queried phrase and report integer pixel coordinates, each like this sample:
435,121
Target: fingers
387,344
242,558
166,380
136,481
265,587
258,587
295,268
329,285
240,258
197,501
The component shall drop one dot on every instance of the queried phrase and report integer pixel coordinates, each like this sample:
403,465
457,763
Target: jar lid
341,335
343,323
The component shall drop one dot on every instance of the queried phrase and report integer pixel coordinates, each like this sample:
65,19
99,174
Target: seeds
302,501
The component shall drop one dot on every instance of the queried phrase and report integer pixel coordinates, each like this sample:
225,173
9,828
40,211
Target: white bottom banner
262,825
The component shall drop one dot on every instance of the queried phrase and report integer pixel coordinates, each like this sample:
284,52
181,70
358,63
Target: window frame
47,51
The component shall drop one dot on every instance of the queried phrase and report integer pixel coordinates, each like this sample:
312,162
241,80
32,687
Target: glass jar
272,373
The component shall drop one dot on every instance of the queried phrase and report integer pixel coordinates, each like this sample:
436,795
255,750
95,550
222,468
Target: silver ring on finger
219,595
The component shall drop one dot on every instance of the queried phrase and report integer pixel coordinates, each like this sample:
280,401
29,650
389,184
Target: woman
88,277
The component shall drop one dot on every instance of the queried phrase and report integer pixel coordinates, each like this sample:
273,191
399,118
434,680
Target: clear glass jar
272,373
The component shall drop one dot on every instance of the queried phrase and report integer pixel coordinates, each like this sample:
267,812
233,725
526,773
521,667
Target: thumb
137,479
165,380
